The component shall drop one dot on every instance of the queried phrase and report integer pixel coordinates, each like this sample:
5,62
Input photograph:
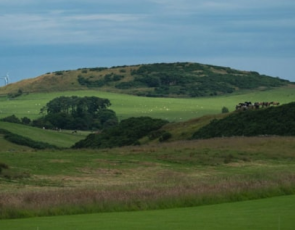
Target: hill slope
271,121
159,80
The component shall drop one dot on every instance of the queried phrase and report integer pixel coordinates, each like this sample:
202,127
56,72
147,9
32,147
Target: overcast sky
40,36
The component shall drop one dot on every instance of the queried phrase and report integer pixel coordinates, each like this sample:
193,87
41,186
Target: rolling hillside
153,80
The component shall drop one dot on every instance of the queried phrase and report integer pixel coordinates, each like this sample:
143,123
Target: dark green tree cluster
270,121
15,119
128,132
108,78
181,80
83,113
195,80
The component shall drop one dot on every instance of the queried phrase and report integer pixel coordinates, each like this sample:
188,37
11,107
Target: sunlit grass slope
58,138
172,109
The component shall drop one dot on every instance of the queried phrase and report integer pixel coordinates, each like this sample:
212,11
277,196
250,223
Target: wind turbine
6,79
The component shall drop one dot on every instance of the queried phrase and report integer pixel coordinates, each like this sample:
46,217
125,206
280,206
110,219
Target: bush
3,166
165,136
224,110
11,119
26,120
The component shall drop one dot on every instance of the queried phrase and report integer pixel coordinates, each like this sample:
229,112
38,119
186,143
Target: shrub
26,120
224,110
165,136
11,119
3,166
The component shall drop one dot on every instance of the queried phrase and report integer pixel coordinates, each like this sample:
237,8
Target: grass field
148,177
62,139
272,213
172,109
180,174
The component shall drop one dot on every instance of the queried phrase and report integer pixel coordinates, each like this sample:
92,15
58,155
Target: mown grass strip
271,213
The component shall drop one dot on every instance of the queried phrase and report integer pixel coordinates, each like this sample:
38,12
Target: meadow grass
172,109
154,176
59,138
179,174
270,213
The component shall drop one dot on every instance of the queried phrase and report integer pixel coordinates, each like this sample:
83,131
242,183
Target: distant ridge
153,80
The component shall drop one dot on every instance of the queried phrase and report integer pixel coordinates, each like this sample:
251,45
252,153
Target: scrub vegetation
181,79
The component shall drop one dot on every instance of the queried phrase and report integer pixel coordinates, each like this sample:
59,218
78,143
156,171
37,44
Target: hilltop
153,80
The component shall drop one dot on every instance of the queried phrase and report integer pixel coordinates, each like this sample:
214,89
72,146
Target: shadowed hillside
153,80
271,121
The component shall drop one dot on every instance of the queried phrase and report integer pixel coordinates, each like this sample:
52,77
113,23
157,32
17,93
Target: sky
37,37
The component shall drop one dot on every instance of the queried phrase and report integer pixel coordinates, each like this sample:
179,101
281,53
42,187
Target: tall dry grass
167,191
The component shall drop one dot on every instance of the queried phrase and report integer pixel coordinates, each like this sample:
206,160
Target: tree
11,119
26,120
77,113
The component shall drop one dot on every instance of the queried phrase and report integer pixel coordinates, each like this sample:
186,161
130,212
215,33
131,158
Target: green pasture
59,138
272,213
237,168
172,109
155,165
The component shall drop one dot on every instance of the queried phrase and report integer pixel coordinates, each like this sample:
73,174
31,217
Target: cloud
192,26
66,27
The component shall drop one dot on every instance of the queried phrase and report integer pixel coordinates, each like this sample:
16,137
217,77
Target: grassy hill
186,115
153,80
154,175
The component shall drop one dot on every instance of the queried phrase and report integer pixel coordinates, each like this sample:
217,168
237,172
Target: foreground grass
271,213
158,176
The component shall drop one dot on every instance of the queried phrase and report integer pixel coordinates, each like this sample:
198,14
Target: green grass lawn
271,213
172,109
